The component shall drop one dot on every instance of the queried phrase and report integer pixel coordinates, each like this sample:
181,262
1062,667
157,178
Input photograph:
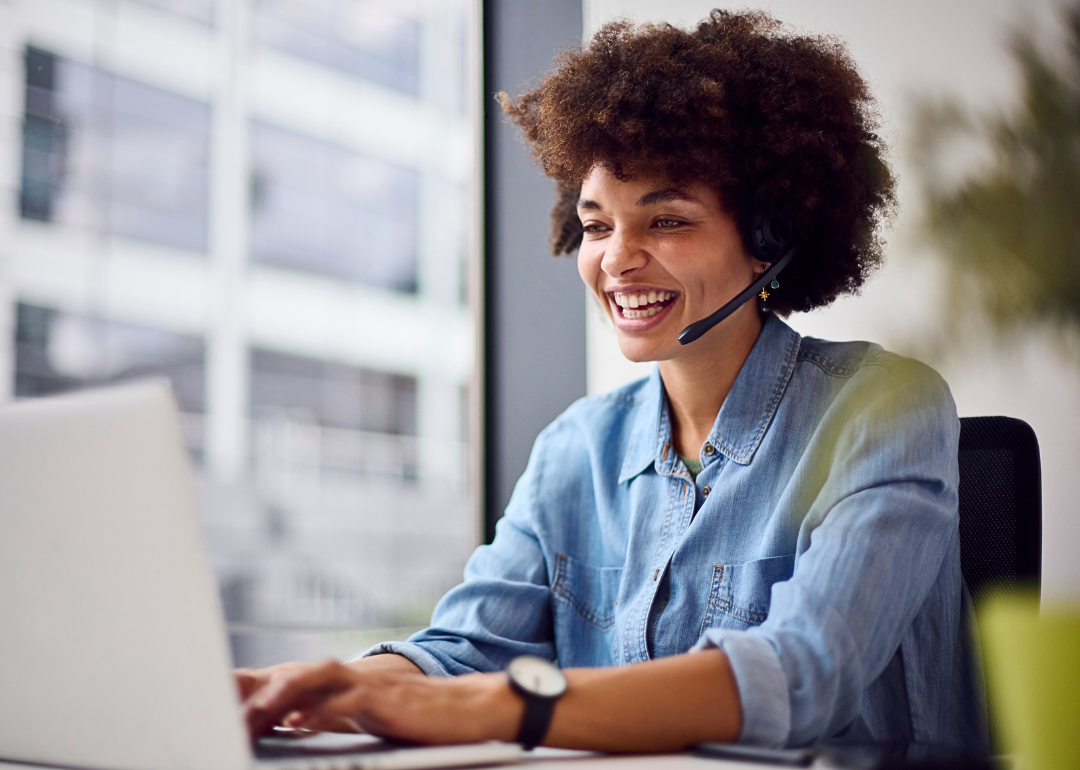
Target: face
658,257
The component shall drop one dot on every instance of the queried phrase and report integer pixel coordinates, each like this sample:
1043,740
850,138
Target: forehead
602,189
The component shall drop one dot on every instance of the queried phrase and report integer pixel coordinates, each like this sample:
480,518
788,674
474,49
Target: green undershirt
691,465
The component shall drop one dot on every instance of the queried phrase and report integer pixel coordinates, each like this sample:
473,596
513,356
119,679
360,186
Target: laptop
113,650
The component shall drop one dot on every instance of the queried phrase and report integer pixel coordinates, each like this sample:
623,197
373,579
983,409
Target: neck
698,383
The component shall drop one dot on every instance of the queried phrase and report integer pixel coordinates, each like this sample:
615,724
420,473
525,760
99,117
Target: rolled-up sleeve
762,683
880,521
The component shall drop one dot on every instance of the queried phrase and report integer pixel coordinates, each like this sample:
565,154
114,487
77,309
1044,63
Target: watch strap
535,723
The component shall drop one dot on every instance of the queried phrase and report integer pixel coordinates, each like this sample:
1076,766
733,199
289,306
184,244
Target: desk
555,759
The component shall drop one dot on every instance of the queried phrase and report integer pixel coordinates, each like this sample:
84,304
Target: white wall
906,47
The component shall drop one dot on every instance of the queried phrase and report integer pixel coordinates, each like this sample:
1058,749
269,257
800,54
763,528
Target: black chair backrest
1000,504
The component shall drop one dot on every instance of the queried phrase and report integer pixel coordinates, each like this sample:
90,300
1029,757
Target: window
326,210
113,155
331,461
326,417
370,39
57,352
199,10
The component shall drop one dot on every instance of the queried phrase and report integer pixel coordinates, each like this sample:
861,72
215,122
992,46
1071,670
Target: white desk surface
557,759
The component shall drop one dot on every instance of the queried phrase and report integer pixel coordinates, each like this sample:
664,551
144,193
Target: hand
250,680
380,699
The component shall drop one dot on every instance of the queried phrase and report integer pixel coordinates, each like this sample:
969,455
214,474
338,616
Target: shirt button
705,491
709,449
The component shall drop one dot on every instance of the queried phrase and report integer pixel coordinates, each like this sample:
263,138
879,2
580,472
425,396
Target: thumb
334,715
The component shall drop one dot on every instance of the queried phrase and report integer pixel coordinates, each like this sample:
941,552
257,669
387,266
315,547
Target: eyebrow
648,199
666,196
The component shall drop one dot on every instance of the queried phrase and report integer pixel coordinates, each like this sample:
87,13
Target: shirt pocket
739,593
583,606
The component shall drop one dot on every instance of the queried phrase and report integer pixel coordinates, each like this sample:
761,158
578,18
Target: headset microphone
772,239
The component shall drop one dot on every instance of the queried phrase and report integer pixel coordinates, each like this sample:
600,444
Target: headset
771,239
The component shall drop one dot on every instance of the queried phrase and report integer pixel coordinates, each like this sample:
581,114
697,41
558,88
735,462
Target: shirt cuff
420,657
763,687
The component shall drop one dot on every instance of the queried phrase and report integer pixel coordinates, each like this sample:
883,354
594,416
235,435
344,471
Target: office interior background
279,205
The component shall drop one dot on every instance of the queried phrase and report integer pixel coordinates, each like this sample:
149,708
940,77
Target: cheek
588,265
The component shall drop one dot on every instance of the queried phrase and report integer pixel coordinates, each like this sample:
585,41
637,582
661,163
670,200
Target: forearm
666,704
662,705
387,662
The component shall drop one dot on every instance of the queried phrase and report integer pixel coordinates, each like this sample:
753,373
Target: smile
642,304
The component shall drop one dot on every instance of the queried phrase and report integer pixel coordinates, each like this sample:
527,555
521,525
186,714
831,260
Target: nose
623,253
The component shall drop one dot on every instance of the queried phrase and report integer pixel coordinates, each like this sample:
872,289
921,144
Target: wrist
495,710
540,684
510,709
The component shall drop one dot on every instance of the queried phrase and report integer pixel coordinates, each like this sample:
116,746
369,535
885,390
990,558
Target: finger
337,711
296,690
295,720
247,681
342,724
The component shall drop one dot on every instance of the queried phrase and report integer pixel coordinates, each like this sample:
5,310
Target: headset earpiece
771,237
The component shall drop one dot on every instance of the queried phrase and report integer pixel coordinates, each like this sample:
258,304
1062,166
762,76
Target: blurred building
269,202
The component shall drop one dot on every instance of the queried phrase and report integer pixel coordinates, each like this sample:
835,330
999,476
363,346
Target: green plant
1010,227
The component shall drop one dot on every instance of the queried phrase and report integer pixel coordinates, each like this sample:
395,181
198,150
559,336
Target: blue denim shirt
818,548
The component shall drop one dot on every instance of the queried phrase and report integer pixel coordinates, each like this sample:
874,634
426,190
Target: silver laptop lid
112,649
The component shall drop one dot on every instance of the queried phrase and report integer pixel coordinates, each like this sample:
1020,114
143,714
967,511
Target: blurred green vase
1032,662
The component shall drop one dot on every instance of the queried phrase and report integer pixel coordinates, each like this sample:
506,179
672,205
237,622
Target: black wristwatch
540,683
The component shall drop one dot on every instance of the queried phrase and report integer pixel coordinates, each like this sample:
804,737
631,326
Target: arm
881,520
660,705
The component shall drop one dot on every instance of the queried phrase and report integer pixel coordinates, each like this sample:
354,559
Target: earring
764,295
775,284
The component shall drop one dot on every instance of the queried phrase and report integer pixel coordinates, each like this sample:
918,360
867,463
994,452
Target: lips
642,303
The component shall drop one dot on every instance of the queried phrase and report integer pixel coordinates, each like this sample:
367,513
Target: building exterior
272,203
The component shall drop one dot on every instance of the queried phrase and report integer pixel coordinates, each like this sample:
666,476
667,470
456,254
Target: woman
758,542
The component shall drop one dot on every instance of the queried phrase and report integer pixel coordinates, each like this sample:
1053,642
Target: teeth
646,313
637,305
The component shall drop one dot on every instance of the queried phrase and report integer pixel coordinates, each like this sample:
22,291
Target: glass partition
271,203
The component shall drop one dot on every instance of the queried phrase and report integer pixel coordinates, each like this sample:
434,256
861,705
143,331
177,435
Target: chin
634,350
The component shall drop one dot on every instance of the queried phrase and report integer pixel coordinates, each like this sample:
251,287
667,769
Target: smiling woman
766,527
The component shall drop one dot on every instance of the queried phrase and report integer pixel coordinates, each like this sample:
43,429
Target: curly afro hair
766,117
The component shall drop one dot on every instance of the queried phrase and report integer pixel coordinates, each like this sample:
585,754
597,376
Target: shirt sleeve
882,517
502,609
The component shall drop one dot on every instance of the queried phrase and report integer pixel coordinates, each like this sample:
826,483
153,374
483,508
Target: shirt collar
744,417
642,450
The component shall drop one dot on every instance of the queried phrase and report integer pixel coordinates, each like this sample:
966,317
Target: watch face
537,676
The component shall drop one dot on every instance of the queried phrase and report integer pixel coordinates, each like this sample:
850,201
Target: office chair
1000,504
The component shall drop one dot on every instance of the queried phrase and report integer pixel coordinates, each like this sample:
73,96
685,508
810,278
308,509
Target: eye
667,223
592,228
